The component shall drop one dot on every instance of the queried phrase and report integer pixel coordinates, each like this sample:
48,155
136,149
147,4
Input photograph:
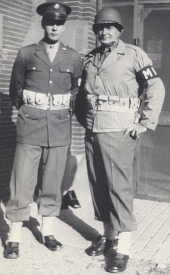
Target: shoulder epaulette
69,48
30,45
135,48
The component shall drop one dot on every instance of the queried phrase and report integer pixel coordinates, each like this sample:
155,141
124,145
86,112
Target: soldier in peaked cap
44,83
108,107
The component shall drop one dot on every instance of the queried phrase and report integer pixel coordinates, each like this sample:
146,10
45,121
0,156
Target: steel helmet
108,15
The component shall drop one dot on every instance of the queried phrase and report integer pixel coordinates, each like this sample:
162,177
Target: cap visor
55,16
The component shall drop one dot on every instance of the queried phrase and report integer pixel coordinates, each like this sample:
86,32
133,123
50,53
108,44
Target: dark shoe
70,199
64,204
73,201
118,264
100,246
12,250
51,243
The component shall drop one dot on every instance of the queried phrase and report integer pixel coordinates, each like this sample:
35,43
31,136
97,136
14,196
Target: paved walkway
76,228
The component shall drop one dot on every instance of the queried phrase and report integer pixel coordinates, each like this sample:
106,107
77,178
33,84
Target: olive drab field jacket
111,89
33,79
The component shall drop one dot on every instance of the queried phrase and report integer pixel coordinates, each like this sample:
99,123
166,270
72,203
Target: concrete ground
76,228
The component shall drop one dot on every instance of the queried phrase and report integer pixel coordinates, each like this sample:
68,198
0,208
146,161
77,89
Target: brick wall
15,18
82,12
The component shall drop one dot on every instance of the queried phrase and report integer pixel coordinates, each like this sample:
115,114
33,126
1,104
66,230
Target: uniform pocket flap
32,67
66,69
64,114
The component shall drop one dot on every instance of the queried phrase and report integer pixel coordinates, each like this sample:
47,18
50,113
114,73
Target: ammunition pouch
46,102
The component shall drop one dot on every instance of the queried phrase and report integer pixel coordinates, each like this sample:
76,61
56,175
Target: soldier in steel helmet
44,83
108,107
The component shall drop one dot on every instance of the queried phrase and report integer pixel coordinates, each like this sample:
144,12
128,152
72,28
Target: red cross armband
146,73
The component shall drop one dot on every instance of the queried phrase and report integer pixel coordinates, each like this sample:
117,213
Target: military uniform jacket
33,71
117,76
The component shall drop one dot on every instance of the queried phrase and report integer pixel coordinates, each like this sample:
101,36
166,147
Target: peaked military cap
54,10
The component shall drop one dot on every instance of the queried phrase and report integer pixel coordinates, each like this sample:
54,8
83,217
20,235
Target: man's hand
134,130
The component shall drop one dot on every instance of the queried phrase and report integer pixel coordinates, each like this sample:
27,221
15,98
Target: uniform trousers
110,168
24,180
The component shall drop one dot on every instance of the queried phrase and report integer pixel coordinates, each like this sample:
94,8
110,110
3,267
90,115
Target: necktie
104,54
51,53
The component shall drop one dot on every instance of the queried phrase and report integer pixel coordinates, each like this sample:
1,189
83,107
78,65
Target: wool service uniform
42,92
43,86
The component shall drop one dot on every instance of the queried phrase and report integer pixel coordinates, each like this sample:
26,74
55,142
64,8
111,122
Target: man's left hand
134,130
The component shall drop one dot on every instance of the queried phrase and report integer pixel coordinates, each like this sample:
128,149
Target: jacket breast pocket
34,72
65,75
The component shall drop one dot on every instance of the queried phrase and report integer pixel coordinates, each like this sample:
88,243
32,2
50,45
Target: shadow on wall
7,145
7,149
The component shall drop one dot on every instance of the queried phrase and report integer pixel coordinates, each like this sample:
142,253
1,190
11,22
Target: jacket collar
41,53
113,57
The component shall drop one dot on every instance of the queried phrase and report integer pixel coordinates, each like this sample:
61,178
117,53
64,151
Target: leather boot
51,243
100,246
118,263
12,250
70,199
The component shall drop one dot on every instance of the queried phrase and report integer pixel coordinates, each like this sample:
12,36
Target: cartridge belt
113,103
46,101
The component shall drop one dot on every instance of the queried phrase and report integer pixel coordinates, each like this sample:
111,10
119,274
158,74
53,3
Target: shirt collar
119,47
53,46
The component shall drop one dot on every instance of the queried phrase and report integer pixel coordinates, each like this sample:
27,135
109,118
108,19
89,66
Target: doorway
154,166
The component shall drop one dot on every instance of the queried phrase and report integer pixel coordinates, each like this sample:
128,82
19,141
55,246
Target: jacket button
51,70
50,82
